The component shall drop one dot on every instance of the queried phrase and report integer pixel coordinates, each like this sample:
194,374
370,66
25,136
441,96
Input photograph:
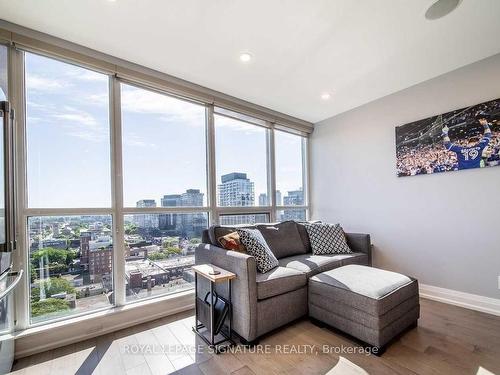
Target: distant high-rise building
85,238
169,221
192,198
279,199
263,199
146,220
236,190
183,225
294,198
192,224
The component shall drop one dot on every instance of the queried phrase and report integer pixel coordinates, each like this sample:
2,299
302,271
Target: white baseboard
462,299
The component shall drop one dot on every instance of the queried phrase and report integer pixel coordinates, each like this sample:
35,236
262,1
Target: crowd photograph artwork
465,138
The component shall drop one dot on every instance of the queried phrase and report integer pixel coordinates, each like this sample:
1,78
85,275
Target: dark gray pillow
283,239
327,239
257,247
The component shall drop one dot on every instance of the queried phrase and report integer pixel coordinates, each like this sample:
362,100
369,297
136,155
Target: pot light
441,8
325,96
245,57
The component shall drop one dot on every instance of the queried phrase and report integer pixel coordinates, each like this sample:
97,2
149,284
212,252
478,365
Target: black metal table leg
230,309
196,299
212,313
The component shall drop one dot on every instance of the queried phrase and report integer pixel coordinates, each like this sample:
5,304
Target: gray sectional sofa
263,302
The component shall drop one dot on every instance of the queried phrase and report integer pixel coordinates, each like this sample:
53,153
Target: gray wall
443,229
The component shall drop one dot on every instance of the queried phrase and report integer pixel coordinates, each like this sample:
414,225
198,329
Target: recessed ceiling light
325,96
245,57
441,8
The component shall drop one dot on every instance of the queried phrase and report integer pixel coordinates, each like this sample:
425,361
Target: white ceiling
358,50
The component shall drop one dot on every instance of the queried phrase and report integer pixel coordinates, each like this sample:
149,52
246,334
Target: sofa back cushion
283,238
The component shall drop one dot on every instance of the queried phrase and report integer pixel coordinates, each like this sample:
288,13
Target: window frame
118,211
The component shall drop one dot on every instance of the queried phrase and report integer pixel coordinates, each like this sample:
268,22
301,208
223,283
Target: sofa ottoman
370,304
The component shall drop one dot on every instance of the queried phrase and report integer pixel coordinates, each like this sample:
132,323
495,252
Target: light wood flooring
448,340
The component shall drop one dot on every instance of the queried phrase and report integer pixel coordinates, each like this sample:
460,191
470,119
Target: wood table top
207,270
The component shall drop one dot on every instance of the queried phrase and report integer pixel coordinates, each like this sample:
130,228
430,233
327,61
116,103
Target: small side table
207,271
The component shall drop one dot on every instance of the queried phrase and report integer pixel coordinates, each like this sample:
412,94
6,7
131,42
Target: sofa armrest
244,286
360,242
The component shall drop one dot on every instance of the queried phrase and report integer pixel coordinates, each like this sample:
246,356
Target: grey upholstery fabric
367,281
356,258
277,311
304,236
321,285
244,286
283,238
278,281
372,336
314,264
361,243
343,298
360,316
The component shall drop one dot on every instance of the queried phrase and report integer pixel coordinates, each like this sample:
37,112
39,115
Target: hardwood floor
448,340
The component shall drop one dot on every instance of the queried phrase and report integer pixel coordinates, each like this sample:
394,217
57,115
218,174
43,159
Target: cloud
235,125
39,83
168,108
132,139
81,124
88,75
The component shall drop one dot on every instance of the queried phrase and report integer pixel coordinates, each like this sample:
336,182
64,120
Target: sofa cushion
327,239
278,281
283,238
257,247
367,281
312,264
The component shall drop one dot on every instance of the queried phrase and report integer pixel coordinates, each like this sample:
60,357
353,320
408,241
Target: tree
52,255
52,286
130,229
158,256
173,250
195,241
169,242
48,306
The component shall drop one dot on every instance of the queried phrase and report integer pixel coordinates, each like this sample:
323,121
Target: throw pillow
231,241
257,247
327,239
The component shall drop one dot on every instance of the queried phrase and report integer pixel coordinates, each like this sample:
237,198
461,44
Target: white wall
443,229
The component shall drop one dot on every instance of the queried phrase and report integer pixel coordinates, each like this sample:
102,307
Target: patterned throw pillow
231,241
327,239
257,247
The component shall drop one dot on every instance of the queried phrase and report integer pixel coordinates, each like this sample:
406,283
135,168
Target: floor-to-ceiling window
67,169
121,180
165,182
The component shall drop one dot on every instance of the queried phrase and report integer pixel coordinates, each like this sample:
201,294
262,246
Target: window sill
52,335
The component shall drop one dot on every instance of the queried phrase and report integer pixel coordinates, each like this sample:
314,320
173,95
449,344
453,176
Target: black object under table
212,310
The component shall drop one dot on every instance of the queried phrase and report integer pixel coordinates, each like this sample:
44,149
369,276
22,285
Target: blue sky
163,142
